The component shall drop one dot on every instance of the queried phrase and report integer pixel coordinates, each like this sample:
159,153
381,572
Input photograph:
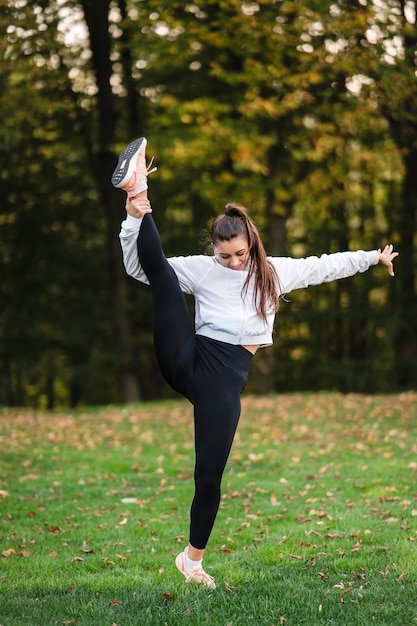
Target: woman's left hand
386,257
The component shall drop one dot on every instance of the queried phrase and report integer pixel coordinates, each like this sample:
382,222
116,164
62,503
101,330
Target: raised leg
172,325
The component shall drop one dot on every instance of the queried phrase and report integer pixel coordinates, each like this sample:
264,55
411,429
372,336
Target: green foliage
300,110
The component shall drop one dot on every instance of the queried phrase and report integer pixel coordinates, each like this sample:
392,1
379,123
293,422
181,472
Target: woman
236,293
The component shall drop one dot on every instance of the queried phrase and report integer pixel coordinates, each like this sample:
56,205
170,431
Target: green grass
318,521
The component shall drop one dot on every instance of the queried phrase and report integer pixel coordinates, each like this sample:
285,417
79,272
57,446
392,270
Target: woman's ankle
141,194
194,554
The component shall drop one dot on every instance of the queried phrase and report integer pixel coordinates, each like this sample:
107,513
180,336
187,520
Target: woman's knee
208,479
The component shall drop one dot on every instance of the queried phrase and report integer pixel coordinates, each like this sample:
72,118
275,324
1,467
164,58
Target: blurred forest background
305,111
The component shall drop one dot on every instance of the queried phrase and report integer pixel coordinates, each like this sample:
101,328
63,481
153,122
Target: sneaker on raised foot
131,170
196,575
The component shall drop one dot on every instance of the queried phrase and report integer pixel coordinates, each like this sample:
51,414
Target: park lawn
318,520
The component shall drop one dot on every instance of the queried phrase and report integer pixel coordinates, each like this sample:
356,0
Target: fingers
138,206
386,256
388,249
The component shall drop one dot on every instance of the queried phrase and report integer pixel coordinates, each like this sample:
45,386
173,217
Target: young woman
236,293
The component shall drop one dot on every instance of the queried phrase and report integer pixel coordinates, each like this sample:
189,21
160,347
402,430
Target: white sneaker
131,167
196,575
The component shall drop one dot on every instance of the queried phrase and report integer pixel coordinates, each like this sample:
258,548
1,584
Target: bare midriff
252,349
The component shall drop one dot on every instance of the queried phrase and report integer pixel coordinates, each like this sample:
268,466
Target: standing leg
216,416
220,374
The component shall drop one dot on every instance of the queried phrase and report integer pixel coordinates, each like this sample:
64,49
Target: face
233,254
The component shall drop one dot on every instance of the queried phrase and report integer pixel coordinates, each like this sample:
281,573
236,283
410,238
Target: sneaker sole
127,163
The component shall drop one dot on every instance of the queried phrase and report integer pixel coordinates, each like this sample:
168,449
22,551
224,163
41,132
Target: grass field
318,520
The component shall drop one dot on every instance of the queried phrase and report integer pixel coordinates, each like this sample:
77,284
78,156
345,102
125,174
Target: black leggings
210,373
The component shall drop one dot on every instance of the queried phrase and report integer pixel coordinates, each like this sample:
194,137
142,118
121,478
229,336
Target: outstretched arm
386,257
300,273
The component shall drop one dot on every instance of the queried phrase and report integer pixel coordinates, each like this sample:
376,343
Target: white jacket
220,310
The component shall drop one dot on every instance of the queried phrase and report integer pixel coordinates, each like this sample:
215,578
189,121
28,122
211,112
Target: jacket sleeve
188,269
298,273
128,240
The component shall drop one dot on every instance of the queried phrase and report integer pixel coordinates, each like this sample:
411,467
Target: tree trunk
96,16
406,344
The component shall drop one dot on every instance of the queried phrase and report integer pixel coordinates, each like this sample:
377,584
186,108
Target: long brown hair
235,222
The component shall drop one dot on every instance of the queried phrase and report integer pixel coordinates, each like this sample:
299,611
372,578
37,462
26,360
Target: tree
259,102
395,34
48,241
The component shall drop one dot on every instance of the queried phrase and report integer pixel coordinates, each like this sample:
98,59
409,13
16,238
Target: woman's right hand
138,206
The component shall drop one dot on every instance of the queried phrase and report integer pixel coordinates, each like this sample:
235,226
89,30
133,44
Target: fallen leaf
8,552
226,550
53,529
29,477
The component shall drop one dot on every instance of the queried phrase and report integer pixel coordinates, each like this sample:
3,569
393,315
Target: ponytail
236,222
